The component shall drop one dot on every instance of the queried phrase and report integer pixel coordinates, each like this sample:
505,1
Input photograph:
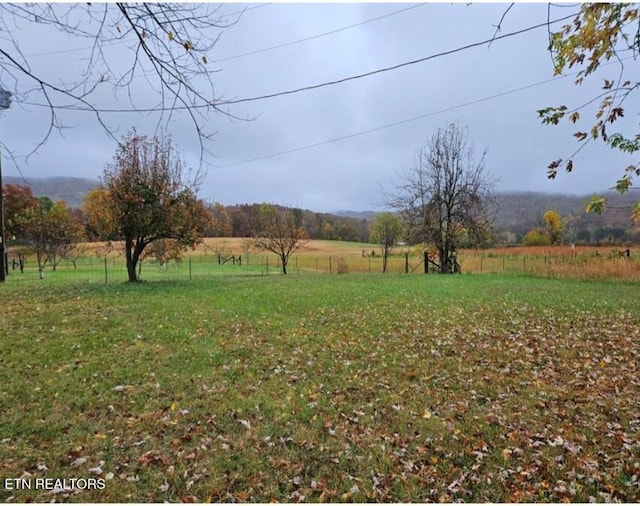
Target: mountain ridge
514,211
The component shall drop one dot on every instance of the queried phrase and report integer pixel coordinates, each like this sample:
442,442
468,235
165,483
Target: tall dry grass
581,262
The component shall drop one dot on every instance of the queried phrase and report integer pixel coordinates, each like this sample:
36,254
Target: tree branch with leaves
598,34
50,231
148,198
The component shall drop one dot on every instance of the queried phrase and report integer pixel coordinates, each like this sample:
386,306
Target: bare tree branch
168,45
499,25
444,195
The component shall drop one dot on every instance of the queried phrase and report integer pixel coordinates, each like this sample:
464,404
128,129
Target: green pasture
334,257
318,388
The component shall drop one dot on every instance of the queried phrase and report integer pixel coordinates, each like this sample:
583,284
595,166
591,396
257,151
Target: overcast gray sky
346,173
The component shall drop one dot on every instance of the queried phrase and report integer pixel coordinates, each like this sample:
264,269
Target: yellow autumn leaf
173,406
171,36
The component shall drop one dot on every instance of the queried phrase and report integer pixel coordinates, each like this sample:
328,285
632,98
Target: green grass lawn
323,388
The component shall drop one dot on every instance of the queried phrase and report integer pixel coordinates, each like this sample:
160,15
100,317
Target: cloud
347,173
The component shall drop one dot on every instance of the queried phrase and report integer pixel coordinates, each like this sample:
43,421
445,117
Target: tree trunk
284,263
132,260
445,261
41,264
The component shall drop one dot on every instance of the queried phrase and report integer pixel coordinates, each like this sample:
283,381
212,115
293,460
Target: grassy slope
324,388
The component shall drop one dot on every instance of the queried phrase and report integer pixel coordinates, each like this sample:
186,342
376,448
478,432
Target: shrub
536,237
343,268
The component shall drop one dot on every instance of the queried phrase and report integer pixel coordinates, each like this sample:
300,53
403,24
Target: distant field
208,260
320,388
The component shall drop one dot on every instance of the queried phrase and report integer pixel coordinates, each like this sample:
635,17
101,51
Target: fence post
189,268
106,281
503,265
406,263
329,264
480,265
426,263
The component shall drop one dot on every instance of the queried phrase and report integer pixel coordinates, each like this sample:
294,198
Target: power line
257,51
395,67
391,125
324,34
316,86
409,120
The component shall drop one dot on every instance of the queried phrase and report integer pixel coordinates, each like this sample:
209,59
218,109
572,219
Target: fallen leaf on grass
149,458
121,388
96,470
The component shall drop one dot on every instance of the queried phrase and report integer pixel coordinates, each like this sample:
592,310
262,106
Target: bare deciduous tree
444,195
163,47
387,230
279,231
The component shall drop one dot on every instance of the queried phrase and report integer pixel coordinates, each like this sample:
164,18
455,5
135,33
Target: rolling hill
514,212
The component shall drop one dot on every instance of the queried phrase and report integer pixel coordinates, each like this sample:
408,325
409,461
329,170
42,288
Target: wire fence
611,264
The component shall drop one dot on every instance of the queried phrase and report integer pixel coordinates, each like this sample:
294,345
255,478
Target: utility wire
324,34
257,51
391,125
409,120
395,67
315,86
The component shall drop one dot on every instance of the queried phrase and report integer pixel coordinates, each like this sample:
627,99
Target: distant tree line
147,201
573,228
517,214
241,220
53,232
244,220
